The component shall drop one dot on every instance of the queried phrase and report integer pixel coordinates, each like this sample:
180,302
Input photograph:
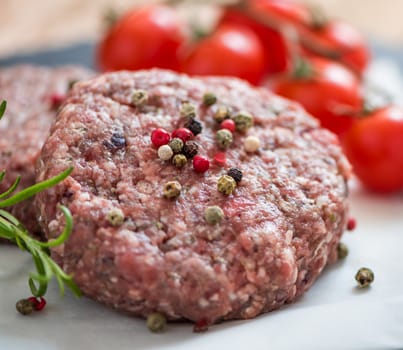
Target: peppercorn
115,217
190,149
226,184
165,152
172,189
228,124
156,322
209,99
243,121
236,174
24,307
188,110
160,137
139,98
183,133
200,164
223,138
71,83
176,145
213,214
179,160
251,144
221,113
342,251
351,224
220,158
194,126
38,303
201,326
364,277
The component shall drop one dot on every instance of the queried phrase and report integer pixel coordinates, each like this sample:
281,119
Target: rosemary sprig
14,231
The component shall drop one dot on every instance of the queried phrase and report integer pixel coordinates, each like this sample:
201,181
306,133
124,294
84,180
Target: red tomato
331,94
374,146
276,53
145,37
230,51
343,38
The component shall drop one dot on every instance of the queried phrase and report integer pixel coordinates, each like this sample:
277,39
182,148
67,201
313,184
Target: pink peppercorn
160,137
220,158
183,133
228,124
351,224
200,164
38,303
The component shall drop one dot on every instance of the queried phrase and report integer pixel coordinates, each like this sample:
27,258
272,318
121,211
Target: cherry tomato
329,91
344,39
146,37
276,55
374,146
229,51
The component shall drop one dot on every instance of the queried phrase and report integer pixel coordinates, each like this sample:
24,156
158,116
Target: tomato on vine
374,146
326,89
145,37
229,51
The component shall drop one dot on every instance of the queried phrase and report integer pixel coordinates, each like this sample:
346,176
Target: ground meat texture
32,94
281,225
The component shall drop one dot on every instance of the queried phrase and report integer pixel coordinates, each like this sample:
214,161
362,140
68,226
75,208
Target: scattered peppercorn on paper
335,311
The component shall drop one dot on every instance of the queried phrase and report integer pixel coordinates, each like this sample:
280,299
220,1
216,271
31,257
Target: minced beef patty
282,223
31,93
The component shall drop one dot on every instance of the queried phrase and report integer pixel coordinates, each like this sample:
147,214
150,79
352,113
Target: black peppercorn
24,307
194,126
364,277
236,174
190,149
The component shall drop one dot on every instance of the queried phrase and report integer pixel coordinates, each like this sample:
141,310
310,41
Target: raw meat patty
281,225
32,94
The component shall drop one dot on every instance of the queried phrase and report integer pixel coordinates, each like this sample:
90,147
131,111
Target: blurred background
26,25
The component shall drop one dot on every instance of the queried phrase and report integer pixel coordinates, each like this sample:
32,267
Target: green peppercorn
243,121
115,217
194,126
24,307
221,113
188,110
226,184
139,98
364,277
71,84
172,189
209,99
179,160
213,215
236,174
176,145
156,322
223,138
190,149
342,251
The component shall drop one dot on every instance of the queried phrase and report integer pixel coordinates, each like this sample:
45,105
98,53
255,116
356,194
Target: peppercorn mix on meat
33,95
228,234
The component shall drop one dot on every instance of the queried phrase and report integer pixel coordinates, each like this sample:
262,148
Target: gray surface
83,54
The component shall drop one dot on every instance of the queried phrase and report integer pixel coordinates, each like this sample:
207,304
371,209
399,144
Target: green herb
14,231
3,106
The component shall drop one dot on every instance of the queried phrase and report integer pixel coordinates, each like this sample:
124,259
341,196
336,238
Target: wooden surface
32,24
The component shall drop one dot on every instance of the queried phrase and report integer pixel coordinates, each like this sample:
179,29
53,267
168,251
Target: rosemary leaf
3,106
34,189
